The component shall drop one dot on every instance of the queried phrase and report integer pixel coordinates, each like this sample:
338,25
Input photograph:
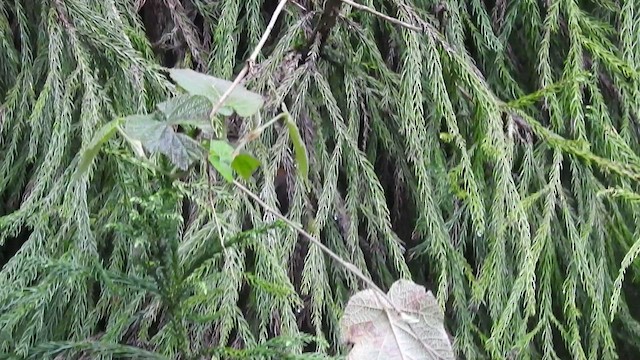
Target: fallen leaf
378,331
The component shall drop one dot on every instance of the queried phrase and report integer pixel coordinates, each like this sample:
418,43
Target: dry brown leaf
378,331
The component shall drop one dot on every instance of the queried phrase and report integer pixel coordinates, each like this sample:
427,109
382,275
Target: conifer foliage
485,149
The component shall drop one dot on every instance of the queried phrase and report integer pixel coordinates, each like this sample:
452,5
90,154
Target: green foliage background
492,155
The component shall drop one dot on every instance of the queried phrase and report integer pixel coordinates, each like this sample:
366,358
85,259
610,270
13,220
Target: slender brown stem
347,265
213,205
382,16
252,58
251,135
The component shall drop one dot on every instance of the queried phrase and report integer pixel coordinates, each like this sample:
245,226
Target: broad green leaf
144,128
378,331
99,138
186,109
196,83
221,157
223,167
242,101
222,149
302,158
161,137
245,164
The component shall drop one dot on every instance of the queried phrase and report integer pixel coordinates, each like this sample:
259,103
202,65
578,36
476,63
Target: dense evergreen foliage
485,149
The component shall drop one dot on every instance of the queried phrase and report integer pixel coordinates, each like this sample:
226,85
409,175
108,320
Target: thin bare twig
252,59
347,265
382,16
300,6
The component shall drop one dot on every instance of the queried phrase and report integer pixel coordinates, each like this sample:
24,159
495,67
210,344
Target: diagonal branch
252,58
331,13
344,263
382,16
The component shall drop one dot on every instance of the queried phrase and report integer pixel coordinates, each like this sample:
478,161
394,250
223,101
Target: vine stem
347,265
382,16
253,134
252,58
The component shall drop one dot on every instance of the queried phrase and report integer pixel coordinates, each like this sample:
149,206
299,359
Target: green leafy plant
180,289
155,134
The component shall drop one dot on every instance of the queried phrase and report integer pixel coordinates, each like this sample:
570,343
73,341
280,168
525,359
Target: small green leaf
99,138
221,157
242,101
245,164
298,146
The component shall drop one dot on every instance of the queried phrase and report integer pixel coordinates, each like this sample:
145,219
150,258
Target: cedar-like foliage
486,148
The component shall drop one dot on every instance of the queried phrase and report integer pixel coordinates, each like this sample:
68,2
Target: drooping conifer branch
493,155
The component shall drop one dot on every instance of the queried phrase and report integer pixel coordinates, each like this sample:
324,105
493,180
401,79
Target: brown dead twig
250,62
252,58
383,16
